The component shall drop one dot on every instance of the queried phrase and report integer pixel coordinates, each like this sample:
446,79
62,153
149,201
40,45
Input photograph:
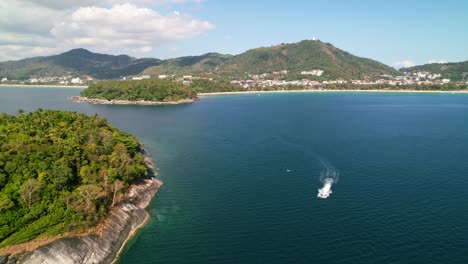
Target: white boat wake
328,177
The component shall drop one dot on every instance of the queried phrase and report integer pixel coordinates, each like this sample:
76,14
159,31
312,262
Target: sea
241,176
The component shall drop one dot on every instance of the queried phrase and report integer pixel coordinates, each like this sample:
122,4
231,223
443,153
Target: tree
5,202
29,191
90,194
116,187
62,175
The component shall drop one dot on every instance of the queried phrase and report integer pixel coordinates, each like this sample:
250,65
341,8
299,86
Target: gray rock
4,259
123,221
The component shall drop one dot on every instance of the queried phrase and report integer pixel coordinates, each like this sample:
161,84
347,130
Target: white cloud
66,4
37,28
404,64
436,61
126,26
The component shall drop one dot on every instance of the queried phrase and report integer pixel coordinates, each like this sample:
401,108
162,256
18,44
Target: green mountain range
76,62
455,71
306,55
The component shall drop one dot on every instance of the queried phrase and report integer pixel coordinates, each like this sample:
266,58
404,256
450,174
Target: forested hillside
147,90
61,171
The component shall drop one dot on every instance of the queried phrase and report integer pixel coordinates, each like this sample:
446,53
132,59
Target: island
143,92
73,188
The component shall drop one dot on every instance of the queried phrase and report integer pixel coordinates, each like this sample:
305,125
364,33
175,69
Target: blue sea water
241,175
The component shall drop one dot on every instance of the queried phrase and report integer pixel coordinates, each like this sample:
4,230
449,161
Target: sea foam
328,177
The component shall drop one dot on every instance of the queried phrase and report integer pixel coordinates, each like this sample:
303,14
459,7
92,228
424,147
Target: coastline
331,90
81,99
102,243
44,86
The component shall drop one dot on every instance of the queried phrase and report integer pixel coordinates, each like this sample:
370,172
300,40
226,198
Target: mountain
76,62
456,71
305,56
189,65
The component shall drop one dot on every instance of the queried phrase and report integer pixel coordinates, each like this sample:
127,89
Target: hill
79,62
456,71
61,171
304,56
152,90
190,65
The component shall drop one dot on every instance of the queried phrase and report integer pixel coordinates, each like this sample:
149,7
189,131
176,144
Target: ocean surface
241,175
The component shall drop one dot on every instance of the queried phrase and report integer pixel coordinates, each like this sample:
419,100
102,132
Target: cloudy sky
398,33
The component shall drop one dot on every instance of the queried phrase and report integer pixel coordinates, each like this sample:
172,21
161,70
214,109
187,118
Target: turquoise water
241,175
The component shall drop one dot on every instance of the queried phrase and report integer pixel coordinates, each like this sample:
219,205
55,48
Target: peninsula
69,179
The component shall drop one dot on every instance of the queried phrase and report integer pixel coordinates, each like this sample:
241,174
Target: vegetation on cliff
147,90
61,171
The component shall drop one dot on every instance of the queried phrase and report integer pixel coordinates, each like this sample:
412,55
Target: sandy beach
329,90
44,86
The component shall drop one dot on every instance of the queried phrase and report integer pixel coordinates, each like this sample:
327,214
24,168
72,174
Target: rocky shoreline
81,99
99,246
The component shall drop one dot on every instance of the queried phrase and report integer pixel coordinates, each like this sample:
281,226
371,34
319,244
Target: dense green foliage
206,86
61,171
148,90
78,62
454,71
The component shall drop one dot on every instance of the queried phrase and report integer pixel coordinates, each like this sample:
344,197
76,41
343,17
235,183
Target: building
76,80
139,78
4,79
162,76
313,72
445,80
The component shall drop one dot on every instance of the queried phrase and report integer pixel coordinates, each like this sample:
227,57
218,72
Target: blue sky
388,31
393,32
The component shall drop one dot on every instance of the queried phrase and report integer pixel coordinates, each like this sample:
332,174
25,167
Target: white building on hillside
139,78
313,72
4,79
76,80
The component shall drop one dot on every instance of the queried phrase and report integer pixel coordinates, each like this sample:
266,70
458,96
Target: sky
398,33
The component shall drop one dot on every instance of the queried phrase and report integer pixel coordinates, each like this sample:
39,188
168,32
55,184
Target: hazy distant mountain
306,55
190,65
455,71
76,62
